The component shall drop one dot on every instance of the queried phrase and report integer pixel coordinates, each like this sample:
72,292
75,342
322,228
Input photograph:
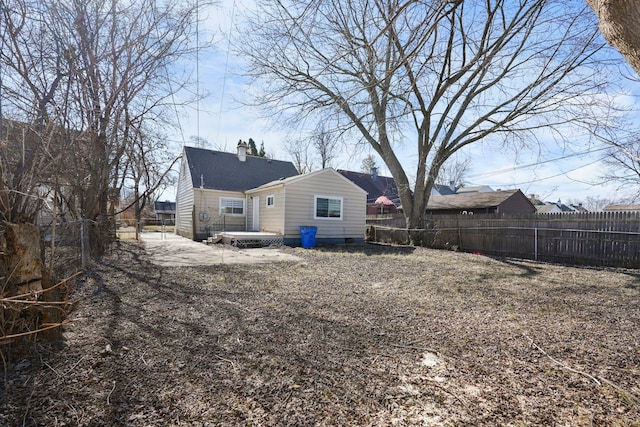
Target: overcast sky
553,173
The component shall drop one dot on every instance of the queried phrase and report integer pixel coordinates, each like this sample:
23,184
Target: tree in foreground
620,25
95,72
442,74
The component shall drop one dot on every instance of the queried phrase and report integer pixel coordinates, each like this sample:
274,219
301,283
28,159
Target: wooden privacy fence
592,238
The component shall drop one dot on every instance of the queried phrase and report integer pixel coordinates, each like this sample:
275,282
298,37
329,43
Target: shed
494,202
324,199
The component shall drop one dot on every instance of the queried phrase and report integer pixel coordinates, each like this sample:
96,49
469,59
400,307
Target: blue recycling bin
308,236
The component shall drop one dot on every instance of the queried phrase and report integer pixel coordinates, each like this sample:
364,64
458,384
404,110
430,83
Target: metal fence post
535,243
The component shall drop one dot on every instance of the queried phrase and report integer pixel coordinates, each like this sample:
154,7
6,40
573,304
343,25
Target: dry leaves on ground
352,335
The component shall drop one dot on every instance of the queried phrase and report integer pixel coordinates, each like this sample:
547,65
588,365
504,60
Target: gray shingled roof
470,200
217,170
380,186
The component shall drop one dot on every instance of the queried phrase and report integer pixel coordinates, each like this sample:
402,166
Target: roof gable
292,179
444,190
218,170
552,208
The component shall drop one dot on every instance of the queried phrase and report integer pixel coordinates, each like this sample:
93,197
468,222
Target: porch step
251,239
216,238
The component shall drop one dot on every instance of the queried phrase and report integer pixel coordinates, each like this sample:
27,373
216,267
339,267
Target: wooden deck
246,239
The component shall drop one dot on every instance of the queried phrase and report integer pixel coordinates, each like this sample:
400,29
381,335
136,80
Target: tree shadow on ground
367,248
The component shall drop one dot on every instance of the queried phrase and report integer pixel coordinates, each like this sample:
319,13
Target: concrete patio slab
171,250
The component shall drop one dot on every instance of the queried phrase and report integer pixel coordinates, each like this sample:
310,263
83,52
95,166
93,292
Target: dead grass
356,335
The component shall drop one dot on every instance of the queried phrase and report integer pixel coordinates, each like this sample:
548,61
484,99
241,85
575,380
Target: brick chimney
242,151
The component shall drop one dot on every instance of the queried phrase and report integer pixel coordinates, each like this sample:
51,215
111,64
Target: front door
255,226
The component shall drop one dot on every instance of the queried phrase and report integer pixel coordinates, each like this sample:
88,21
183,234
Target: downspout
284,212
246,216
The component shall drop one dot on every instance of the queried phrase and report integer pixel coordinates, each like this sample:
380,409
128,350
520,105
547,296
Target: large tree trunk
620,26
23,280
22,260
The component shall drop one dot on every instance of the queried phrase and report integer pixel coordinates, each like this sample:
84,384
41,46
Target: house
382,193
550,208
443,190
236,192
164,211
324,199
210,191
494,202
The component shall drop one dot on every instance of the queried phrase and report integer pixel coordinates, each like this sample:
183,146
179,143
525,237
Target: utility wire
518,167
557,175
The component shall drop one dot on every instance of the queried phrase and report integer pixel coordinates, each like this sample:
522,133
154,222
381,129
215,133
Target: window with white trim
271,201
229,206
327,207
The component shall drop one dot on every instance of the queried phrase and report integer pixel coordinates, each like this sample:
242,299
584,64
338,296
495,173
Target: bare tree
446,74
325,145
454,171
148,163
623,161
595,203
620,25
298,150
95,70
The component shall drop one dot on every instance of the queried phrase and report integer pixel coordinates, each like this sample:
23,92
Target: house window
271,201
328,207
230,206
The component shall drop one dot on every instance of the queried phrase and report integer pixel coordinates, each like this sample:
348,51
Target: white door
256,214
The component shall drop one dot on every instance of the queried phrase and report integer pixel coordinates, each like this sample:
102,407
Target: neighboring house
555,207
566,208
164,211
210,192
39,159
443,190
621,208
579,208
494,202
382,193
551,208
324,199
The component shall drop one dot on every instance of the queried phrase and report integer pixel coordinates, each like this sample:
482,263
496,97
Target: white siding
271,219
300,206
198,210
208,216
184,202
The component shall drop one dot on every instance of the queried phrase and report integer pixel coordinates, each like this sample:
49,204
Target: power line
557,175
514,168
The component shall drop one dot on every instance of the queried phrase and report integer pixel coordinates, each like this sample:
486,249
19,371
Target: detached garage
324,199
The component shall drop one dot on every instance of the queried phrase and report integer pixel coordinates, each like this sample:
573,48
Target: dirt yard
349,336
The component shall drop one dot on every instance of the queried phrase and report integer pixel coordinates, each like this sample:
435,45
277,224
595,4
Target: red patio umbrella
383,200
